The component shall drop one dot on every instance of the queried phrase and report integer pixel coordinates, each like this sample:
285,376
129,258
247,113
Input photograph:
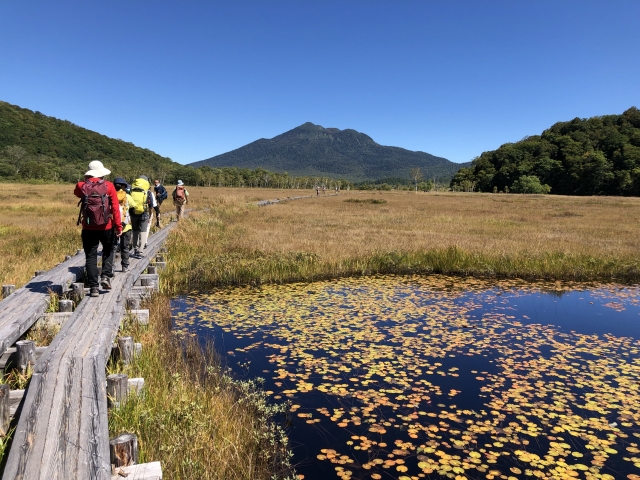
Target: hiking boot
125,268
94,292
158,225
105,283
137,254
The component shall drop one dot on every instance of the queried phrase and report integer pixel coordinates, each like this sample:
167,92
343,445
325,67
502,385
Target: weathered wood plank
21,310
62,432
144,471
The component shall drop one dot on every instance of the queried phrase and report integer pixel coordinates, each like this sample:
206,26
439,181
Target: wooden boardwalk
21,309
62,432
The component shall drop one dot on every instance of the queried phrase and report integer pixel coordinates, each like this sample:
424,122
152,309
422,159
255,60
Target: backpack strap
80,212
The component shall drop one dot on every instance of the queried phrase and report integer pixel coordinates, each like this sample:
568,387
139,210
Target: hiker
180,195
100,218
161,196
153,205
126,203
324,190
317,191
140,214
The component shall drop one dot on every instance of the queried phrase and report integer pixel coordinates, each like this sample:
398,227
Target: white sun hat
180,184
96,169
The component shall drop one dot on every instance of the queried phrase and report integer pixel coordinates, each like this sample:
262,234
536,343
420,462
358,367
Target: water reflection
407,377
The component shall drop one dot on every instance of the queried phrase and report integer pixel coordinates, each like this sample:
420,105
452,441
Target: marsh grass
191,415
38,223
37,229
527,236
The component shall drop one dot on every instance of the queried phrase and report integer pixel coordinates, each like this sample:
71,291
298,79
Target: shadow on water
407,377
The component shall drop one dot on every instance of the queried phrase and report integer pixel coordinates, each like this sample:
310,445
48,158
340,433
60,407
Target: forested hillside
35,146
592,156
312,150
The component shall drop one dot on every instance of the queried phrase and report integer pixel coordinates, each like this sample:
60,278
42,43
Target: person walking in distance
153,205
180,198
161,196
317,190
140,213
126,203
101,224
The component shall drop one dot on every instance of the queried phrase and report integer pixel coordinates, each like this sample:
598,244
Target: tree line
592,156
18,165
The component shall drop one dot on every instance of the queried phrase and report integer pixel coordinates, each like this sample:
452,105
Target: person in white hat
180,195
101,223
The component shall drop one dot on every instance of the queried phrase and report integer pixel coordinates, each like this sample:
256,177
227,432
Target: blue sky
191,79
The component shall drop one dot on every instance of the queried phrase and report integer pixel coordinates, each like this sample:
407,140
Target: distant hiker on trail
140,213
324,190
153,204
100,218
336,189
126,203
180,199
161,196
317,191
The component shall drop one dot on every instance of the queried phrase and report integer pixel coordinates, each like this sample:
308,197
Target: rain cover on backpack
139,190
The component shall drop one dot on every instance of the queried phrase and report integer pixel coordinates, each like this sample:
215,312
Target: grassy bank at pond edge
203,257
192,416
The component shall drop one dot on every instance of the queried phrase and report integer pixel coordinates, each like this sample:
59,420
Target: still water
424,377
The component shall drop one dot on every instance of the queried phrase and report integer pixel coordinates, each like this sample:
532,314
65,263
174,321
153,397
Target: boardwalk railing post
152,269
161,265
8,290
117,389
123,450
127,349
133,303
78,291
5,415
26,350
40,272
66,305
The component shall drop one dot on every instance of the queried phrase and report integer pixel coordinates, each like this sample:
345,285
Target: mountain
584,156
311,150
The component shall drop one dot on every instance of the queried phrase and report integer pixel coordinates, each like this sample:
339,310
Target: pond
399,377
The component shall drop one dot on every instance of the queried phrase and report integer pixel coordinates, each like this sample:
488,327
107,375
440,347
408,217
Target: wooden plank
62,432
143,471
22,309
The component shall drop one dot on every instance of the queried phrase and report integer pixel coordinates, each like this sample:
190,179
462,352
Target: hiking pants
125,246
139,225
90,241
179,211
157,210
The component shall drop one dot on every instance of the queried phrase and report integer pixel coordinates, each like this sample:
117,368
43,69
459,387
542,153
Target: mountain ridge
313,150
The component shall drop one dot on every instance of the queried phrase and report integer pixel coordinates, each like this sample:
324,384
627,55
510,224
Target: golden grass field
477,223
529,236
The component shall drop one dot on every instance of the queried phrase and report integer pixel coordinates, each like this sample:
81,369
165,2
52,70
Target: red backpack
95,204
179,196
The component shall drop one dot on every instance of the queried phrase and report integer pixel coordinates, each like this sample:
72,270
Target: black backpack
161,192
